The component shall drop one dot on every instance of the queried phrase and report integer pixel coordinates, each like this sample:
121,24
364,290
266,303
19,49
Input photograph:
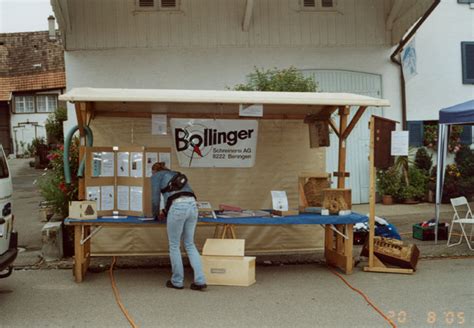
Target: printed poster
123,198
215,143
123,165
151,158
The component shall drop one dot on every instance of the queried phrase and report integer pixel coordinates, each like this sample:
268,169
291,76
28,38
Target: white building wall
218,68
439,67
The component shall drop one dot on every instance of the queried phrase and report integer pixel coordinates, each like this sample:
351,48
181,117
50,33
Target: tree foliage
288,79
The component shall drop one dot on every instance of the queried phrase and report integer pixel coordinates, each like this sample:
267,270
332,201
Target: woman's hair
159,166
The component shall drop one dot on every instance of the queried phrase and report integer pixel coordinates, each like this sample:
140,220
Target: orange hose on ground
365,297
117,295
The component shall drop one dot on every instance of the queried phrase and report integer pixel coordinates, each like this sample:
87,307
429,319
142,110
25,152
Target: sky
24,15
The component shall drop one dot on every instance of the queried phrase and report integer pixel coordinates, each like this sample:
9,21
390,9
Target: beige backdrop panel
282,153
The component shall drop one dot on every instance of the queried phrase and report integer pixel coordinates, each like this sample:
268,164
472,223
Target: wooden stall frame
375,265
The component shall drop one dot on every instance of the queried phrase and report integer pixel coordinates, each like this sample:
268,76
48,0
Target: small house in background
32,76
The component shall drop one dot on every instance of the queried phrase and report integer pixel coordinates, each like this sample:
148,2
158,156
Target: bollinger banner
215,143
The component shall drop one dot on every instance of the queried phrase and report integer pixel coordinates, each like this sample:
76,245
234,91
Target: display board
118,178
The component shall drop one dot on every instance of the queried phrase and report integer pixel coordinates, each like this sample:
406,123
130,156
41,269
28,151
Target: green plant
36,143
289,79
430,137
464,159
52,184
417,186
54,125
423,160
388,181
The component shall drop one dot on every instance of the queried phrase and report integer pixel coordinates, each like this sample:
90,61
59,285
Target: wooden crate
311,186
394,252
336,200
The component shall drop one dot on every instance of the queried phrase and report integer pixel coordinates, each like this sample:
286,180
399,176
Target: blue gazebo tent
461,114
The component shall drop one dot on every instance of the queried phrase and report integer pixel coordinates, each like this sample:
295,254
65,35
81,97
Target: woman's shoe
169,284
198,287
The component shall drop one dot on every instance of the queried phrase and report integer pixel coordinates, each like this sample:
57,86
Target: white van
8,238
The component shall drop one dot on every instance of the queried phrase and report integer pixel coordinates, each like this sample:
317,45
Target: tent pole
442,150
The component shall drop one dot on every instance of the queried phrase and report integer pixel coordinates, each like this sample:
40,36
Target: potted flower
388,183
413,191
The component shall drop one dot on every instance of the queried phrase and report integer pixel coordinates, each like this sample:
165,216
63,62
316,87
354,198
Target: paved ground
440,294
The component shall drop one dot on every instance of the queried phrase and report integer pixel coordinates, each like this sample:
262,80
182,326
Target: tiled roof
30,61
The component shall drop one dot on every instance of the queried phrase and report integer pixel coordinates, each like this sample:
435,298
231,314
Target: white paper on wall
399,143
123,203
96,164
136,165
107,198
165,157
136,199
159,124
107,169
123,164
93,193
151,158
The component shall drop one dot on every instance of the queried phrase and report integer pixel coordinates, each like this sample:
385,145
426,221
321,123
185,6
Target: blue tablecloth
294,219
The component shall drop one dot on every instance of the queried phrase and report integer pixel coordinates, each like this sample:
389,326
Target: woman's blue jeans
181,224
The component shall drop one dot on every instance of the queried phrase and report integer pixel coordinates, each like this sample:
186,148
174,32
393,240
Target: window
467,51
153,5
24,104
46,103
318,5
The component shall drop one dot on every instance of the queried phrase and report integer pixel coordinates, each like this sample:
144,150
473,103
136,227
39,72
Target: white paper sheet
254,110
159,124
399,143
136,169
96,164
107,198
107,169
279,200
123,200
93,193
136,199
123,164
165,157
151,158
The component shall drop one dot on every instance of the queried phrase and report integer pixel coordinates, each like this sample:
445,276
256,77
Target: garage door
357,163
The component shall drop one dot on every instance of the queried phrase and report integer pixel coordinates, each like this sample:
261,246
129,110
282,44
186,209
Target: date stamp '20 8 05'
448,318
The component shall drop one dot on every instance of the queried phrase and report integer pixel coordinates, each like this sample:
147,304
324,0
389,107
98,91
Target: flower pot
387,199
411,201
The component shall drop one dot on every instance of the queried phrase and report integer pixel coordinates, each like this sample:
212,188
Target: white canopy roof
220,97
214,103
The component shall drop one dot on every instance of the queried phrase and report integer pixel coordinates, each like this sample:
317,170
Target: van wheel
7,272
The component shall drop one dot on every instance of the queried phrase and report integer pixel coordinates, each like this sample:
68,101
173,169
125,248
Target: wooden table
338,238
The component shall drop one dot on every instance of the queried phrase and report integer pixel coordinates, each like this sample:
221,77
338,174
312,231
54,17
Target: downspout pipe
394,59
67,144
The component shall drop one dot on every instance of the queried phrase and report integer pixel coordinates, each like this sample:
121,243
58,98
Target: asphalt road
440,294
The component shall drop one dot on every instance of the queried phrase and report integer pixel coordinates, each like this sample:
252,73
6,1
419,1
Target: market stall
281,153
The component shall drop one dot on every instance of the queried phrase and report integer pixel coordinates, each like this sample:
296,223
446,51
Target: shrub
423,160
388,181
52,184
54,125
289,79
464,160
417,187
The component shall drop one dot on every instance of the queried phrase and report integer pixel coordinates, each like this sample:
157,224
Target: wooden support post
354,121
343,114
82,115
78,254
375,265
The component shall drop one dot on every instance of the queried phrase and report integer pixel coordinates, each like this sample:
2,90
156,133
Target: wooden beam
80,115
247,15
334,127
354,121
343,114
199,115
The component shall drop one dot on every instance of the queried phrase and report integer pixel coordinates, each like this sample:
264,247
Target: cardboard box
224,263
84,210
